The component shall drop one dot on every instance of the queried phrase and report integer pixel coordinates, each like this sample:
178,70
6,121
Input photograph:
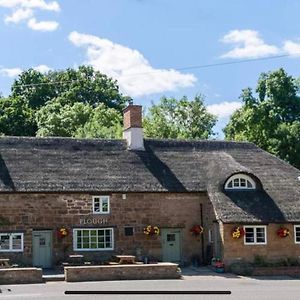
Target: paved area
194,279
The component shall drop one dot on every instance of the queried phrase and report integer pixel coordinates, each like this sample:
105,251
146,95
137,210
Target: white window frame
101,198
240,176
295,228
75,230
11,235
255,234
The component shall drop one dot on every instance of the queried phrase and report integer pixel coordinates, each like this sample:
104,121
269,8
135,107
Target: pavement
193,282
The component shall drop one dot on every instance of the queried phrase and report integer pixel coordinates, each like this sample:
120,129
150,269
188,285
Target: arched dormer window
240,182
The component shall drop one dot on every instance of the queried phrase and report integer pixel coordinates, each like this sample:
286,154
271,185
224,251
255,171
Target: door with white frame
42,248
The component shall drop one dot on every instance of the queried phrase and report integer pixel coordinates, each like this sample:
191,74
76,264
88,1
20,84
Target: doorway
42,248
171,244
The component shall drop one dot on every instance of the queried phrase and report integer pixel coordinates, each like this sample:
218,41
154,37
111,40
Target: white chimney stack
133,128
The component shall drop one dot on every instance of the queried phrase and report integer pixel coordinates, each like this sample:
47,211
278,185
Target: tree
270,120
78,120
84,85
74,95
172,118
16,117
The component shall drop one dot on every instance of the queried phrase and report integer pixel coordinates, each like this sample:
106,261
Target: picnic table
76,259
126,259
4,263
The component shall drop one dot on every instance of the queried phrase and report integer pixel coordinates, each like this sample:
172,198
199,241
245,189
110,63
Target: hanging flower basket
151,230
196,230
237,232
283,232
62,232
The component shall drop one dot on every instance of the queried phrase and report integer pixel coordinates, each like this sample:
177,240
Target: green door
42,249
171,244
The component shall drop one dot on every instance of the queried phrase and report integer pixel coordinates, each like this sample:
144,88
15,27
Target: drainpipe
202,235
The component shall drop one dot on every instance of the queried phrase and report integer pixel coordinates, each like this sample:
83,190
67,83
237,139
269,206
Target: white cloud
42,68
34,4
22,10
10,72
292,48
224,109
43,25
19,15
247,44
13,72
135,75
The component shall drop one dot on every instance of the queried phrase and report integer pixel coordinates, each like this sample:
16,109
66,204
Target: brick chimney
133,128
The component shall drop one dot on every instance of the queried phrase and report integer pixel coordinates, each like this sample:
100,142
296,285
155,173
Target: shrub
242,268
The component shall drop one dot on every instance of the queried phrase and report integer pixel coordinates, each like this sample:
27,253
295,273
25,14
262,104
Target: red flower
283,232
196,229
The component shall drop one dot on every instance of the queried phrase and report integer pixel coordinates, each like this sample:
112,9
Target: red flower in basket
63,232
196,230
283,232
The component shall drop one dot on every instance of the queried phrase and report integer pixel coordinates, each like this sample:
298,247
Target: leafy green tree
78,120
84,85
71,97
172,118
270,120
16,117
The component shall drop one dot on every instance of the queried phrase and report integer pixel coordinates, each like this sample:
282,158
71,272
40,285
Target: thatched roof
82,165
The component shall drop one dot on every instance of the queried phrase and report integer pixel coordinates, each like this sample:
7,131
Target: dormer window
240,182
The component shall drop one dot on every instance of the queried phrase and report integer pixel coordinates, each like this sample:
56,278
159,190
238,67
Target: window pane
230,184
236,182
243,182
260,235
4,242
249,235
105,204
298,234
128,231
16,242
249,184
96,204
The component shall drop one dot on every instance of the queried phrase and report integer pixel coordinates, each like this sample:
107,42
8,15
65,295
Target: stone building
95,197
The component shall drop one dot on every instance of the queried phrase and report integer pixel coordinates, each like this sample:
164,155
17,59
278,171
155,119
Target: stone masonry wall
28,212
276,247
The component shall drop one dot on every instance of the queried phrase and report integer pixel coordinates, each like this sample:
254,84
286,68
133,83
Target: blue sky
142,43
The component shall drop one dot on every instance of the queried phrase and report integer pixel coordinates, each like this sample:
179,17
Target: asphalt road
241,288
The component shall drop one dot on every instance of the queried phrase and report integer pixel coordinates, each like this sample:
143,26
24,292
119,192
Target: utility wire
176,69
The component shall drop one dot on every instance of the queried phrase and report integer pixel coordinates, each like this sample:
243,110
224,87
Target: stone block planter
20,275
122,272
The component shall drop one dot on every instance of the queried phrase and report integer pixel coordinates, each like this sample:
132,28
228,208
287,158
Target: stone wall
28,212
276,247
122,272
20,275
